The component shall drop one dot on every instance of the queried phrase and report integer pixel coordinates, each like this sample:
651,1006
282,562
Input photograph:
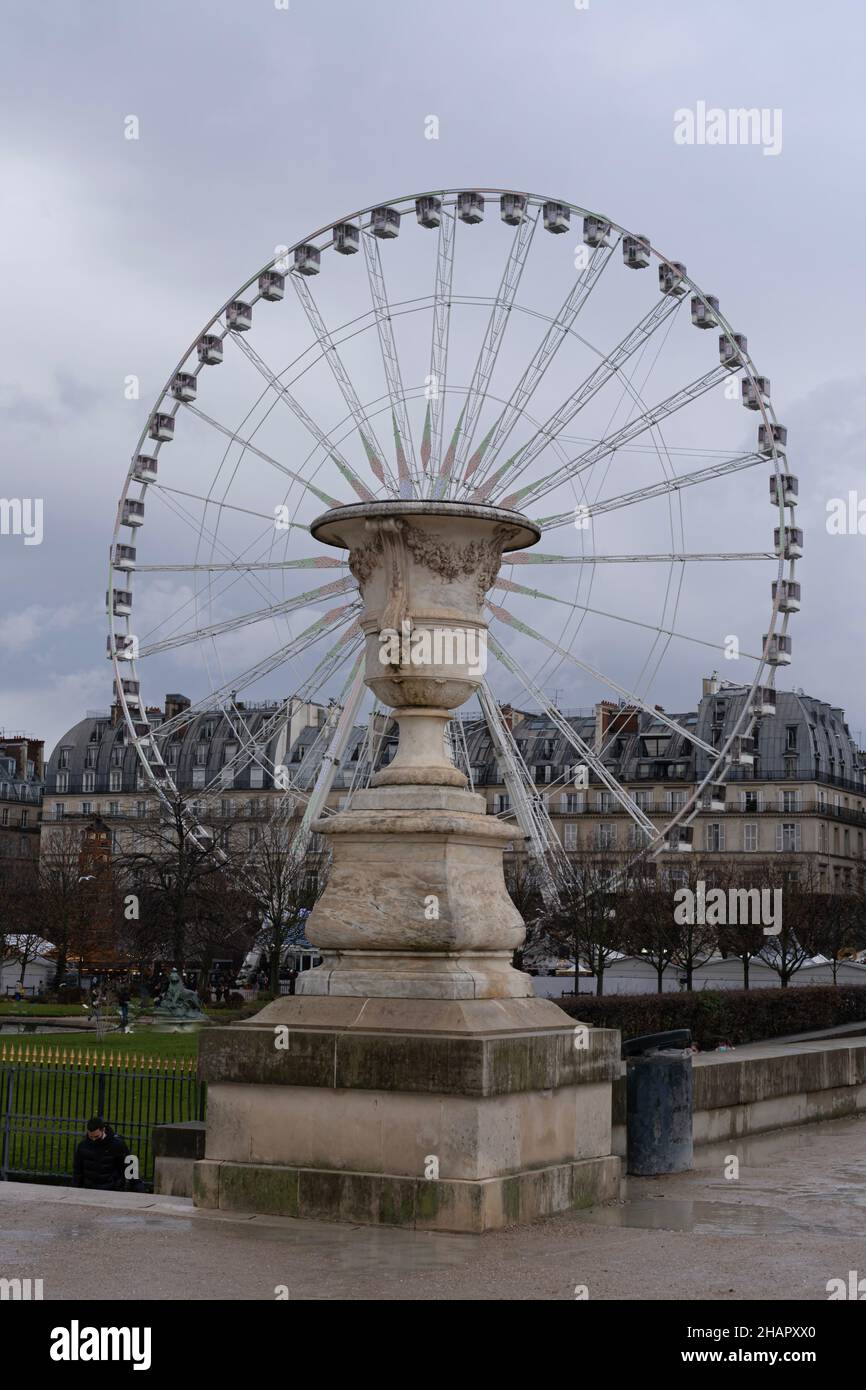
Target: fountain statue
180,1004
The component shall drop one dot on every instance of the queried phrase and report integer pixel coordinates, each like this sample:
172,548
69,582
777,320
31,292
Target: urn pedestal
414,1079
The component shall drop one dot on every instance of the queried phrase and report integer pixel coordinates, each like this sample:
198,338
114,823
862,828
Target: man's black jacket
99,1162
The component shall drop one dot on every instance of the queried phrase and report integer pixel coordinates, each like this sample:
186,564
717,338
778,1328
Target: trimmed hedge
727,1015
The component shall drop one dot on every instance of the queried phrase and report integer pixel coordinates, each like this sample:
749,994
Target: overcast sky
258,124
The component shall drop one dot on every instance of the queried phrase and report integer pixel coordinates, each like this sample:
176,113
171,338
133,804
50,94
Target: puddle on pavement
700,1217
352,1249
790,1181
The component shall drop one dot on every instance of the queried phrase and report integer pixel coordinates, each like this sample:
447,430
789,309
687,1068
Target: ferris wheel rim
403,205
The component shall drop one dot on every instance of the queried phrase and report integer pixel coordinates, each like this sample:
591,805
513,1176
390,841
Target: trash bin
659,1103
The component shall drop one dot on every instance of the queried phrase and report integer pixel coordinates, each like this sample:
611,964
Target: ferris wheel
473,346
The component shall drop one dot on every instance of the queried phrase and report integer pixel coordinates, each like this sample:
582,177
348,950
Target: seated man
100,1158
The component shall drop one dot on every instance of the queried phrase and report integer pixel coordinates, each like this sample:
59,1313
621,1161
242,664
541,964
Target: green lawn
135,1080
143,1043
28,1010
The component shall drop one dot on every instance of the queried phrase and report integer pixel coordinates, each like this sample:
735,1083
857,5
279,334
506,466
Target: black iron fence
47,1096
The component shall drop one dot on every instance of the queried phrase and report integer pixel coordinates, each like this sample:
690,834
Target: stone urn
416,904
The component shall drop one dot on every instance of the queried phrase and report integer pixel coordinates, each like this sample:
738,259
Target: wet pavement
772,1217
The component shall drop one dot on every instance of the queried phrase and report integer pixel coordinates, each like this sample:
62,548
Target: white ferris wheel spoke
557,333
407,467
251,745
274,610
228,506
249,447
372,448
605,447
312,562
508,618
609,366
511,587
529,557
431,442
306,420
329,622
591,758
674,484
527,803
234,565
333,756
464,430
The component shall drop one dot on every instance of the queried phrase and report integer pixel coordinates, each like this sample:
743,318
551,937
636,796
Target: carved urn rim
324,528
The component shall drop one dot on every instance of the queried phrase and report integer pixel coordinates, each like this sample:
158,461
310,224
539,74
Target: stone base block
421,1204
435,1114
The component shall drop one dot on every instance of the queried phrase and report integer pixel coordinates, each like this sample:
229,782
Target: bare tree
178,875
283,878
583,919
697,938
785,951
524,888
646,917
64,904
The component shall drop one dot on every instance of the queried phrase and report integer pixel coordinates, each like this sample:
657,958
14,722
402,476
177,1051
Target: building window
676,800
24,815
604,801
751,802
257,776
4,816
750,837
201,754
605,836
570,836
227,777
198,776
114,808
63,781
714,837
115,780
58,810
789,801
788,836
87,808
141,808
643,800
791,738
63,758
88,783
502,804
